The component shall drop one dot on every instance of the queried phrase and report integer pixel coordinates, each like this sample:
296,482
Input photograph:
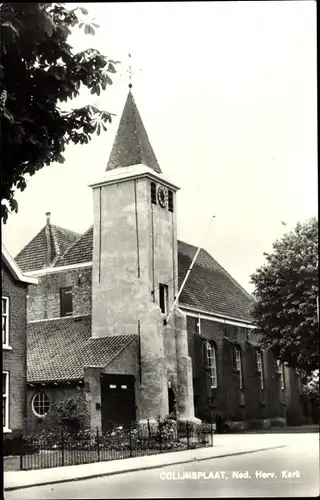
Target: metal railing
60,448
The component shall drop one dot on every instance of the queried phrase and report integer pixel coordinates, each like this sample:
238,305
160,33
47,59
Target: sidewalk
224,445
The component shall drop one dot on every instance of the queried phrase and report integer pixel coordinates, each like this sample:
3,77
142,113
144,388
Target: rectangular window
170,200
153,193
5,400
260,367
66,301
5,321
212,365
238,364
163,298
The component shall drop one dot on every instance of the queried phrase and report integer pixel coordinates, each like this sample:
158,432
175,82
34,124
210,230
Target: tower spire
131,145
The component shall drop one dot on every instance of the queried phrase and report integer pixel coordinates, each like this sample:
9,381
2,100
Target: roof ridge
52,229
75,243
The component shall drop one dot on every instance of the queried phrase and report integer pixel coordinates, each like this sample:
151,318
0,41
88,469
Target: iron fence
60,448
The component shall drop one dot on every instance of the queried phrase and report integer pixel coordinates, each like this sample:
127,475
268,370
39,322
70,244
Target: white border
15,269
6,426
6,346
32,405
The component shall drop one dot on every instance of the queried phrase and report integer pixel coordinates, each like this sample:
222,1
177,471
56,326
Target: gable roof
59,349
34,255
131,145
209,286
14,268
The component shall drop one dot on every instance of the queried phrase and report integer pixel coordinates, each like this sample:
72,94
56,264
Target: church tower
135,268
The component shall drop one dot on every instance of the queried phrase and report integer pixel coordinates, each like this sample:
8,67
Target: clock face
162,196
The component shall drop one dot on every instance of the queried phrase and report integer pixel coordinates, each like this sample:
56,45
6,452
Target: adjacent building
14,345
103,335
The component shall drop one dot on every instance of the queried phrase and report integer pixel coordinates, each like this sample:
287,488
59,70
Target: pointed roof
34,255
131,145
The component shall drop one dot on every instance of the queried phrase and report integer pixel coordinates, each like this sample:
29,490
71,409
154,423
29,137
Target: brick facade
44,300
57,394
251,404
14,358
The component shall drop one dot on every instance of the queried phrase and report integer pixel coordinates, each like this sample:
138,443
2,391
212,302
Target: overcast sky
227,92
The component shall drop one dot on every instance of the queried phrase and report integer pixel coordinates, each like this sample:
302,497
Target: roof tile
59,349
34,255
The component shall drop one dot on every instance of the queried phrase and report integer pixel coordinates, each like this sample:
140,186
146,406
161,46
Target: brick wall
252,402
44,300
56,394
14,361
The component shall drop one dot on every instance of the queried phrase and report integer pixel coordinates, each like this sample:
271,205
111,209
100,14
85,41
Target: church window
260,366
238,364
211,364
40,404
170,200
66,301
153,193
163,298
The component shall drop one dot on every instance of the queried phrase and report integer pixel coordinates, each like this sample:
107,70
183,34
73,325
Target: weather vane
130,72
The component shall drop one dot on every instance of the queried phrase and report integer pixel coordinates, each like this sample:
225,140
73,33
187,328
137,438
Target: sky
228,95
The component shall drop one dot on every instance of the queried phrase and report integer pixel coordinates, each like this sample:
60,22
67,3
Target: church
108,329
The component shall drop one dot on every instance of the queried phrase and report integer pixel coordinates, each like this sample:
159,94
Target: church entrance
172,402
117,401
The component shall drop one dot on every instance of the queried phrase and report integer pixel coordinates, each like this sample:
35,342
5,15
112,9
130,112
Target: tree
39,70
286,291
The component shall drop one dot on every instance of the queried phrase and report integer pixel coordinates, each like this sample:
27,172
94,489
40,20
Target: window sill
6,347
6,430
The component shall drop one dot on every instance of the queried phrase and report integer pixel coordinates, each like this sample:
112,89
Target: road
289,471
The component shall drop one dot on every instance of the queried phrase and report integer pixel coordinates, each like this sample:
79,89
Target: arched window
40,404
238,364
259,363
212,365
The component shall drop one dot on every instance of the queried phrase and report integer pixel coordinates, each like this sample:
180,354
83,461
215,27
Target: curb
136,469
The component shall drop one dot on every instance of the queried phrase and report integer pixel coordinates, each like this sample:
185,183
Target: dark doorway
172,402
117,401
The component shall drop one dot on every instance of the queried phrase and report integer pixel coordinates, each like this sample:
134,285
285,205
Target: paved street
292,470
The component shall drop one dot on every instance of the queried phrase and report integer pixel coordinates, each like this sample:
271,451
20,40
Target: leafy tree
311,396
39,70
286,291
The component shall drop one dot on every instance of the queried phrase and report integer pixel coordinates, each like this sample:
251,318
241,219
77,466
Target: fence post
160,436
149,430
187,429
62,448
98,444
130,440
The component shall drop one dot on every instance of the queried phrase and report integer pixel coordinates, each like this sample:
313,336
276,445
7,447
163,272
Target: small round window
40,404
